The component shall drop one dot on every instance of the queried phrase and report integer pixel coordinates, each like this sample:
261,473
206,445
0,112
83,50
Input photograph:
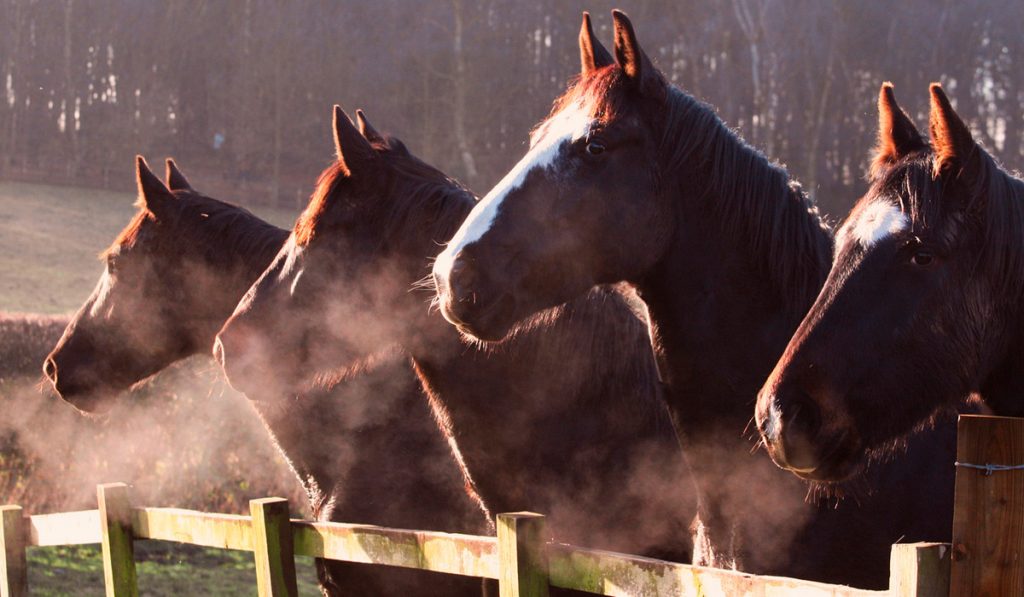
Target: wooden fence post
919,570
118,550
988,515
272,548
522,561
13,564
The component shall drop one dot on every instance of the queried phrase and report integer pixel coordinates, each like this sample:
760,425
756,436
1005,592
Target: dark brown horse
630,179
564,418
920,308
365,447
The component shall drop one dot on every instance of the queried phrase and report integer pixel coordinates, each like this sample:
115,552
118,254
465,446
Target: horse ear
593,55
353,149
153,195
951,139
897,135
629,55
176,181
366,129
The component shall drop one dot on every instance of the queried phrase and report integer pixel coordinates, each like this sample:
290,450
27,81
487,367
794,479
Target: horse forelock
600,93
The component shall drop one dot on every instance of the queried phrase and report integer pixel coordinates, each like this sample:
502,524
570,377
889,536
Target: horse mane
218,229
756,199
1003,234
414,188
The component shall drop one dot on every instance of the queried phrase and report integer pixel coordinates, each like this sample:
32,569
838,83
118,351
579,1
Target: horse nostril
800,429
459,265
804,417
462,277
50,369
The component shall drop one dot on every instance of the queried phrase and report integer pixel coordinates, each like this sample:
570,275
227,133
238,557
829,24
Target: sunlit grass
49,239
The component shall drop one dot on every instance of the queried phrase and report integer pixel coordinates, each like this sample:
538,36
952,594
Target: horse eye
922,258
111,263
595,148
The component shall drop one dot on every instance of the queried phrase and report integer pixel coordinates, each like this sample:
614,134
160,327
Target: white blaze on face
102,292
878,221
291,251
569,125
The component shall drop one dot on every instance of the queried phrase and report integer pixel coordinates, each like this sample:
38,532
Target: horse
630,180
930,266
171,278
564,418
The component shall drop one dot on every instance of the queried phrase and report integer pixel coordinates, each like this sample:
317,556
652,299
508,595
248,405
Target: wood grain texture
226,531
988,516
467,555
13,563
272,548
522,556
610,573
118,549
919,570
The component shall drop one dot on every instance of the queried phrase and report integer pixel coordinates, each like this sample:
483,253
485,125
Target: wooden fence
986,558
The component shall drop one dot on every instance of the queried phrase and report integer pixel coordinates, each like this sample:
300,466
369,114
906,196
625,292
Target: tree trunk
459,124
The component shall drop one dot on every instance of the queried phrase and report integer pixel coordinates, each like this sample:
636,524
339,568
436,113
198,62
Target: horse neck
719,325
744,264
589,361
235,252
222,264
348,437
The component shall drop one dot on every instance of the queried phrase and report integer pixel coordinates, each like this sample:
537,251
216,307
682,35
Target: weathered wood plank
13,563
522,555
118,549
988,515
609,573
65,528
272,548
468,555
600,572
227,531
919,570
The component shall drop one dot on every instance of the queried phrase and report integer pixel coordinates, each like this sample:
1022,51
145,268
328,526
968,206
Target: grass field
49,239
164,570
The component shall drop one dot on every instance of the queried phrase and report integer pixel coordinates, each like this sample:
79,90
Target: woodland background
240,92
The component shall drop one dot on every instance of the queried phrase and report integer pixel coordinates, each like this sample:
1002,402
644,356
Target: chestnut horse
565,418
919,310
632,180
365,448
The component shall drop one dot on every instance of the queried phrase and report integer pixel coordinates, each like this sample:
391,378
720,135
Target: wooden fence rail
520,558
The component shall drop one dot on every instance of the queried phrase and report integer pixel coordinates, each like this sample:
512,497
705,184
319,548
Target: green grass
164,569
49,239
